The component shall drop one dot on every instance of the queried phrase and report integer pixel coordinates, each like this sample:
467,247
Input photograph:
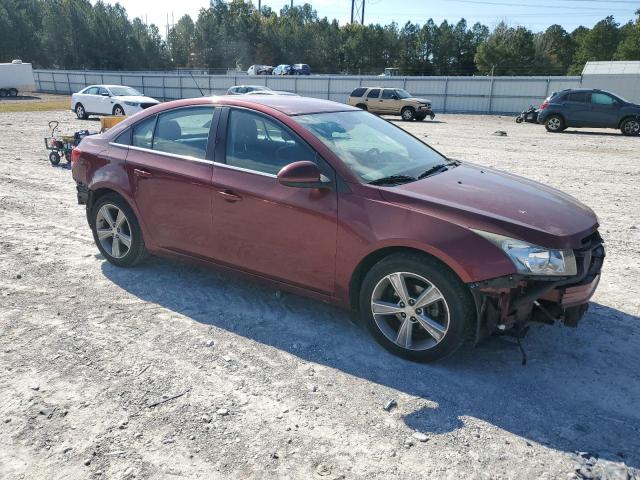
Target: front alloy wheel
416,307
630,127
410,311
118,110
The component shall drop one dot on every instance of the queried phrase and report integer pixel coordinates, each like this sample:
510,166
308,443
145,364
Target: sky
536,14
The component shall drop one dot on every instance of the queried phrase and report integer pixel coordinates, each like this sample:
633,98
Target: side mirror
105,94
304,174
395,97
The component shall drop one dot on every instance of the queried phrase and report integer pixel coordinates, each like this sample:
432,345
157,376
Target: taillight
544,105
75,156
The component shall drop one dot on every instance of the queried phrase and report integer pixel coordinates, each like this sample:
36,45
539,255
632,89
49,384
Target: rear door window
358,92
143,133
375,93
184,131
579,97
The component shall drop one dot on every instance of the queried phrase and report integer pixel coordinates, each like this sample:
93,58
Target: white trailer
15,77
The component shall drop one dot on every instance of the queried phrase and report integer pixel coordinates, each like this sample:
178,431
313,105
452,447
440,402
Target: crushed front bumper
508,304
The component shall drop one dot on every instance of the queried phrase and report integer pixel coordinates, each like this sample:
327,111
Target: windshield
123,91
403,93
371,147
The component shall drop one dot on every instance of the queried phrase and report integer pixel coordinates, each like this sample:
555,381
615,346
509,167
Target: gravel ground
175,371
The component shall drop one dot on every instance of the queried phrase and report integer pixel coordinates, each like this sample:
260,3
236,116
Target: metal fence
448,94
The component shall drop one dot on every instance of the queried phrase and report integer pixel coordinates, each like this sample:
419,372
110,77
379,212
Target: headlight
532,259
132,104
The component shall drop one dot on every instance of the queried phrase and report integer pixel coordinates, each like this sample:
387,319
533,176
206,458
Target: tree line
76,34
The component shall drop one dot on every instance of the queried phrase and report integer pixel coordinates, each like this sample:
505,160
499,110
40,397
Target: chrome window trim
164,154
247,170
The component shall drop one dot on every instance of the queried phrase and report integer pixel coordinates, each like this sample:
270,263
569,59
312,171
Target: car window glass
602,99
375,93
91,91
256,143
577,97
143,133
388,94
184,131
358,92
124,138
102,91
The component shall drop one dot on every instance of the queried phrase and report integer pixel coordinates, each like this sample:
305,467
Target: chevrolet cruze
326,200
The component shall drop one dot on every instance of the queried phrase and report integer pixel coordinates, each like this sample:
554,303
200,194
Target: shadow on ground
579,391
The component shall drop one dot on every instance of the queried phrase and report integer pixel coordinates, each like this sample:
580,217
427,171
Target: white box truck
15,77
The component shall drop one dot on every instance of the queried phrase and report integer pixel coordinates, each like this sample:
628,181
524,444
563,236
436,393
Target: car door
372,100
169,164
103,102
89,99
261,226
576,109
389,101
605,110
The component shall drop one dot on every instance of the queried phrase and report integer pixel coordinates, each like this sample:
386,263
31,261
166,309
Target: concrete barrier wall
448,94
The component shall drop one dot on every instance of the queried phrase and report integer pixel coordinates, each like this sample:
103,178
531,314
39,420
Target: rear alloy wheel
116,231
554,124
408,114
415,307
81,112
630,127
118,110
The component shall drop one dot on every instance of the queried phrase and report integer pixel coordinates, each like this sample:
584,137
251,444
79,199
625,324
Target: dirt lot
175,371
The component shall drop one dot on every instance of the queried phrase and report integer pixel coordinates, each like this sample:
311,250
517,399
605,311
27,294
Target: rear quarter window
358,92
580,97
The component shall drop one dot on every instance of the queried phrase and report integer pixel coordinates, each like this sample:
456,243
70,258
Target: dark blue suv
589,108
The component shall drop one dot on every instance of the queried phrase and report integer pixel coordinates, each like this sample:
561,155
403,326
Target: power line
357,10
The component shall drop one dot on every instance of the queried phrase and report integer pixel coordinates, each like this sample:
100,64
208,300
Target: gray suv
589,108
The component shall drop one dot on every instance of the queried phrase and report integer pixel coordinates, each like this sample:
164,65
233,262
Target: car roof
289,105
252,86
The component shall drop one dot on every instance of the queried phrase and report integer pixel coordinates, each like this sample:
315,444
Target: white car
109,100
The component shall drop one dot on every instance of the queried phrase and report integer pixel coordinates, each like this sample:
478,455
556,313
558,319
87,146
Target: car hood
417,99
490,200
135,98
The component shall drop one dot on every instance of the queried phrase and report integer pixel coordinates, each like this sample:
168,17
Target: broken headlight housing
534,260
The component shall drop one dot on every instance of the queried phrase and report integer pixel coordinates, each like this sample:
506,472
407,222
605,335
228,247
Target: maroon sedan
335,203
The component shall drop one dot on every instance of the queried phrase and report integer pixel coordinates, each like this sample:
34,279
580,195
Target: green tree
599,43
629,47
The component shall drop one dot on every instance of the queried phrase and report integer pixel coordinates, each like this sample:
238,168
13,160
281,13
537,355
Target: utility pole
357,11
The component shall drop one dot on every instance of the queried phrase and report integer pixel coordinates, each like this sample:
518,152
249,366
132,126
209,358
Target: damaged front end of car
507,305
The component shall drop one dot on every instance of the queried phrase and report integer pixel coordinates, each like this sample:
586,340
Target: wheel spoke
385,308
432,327
125,239
115,247
120,219
427,297
106,214
404,334
104,233
397,282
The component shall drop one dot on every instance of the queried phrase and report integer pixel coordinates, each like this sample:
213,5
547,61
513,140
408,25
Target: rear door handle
141,173
229,196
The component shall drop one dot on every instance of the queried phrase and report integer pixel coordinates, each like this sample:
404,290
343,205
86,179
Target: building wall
626,86
448,94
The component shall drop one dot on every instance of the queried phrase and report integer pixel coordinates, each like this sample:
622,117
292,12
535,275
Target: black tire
137,251
3,92
13,92
420,118
519,119
408,114
118,110
54,158
554,124
362,106
630,127
81,113
456,295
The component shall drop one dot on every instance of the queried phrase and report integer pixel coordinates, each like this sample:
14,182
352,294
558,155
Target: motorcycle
529,115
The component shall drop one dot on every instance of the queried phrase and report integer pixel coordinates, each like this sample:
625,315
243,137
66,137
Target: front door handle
229,196
141,173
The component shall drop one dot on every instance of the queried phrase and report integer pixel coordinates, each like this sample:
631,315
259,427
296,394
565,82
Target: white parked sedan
109,100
